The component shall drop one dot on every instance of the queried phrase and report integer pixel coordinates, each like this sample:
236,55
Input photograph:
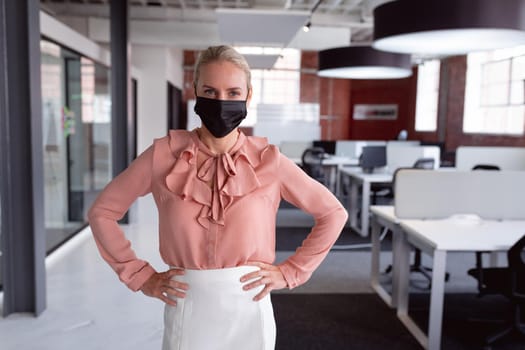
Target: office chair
424,163
507,281
489,167
312,163
485,167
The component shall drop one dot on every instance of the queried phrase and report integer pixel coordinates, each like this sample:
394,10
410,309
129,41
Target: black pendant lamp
363,62
448,27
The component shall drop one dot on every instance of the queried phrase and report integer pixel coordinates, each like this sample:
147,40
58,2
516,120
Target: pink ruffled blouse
223,225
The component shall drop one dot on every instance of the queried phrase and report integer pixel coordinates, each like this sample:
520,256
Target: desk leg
376,245
365,207
437,296
397,237
402,265
338,192
352,206
494,259
332,173
374,273
402,288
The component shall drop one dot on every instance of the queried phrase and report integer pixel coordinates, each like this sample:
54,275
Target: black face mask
220,117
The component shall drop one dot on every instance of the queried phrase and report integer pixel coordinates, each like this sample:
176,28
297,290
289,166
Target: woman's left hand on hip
269,275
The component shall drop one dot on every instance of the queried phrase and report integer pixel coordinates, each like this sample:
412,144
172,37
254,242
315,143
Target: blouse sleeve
109,207
330,217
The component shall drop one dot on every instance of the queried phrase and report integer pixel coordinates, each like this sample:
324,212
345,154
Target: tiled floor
88,308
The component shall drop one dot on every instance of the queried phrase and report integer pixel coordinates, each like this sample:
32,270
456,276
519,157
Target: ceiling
192,24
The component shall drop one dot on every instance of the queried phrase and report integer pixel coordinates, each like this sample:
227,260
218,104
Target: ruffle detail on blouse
232,174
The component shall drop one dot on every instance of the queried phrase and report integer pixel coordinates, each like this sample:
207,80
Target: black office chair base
423,270
506,328
502,333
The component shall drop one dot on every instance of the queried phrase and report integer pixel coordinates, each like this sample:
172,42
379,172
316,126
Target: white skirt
218,314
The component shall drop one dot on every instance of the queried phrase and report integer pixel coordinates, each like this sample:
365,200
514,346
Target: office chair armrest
479,267
514,286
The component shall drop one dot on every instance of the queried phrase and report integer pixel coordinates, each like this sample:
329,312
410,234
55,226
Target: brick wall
456,74
337,98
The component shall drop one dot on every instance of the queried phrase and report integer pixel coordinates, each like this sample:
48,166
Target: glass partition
76,113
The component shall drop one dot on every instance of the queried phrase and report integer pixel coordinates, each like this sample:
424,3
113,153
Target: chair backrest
515,255
326,145
424,163
485,167
312,159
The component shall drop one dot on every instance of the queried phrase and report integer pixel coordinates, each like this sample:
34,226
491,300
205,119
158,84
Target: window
427,95
279,85
494,92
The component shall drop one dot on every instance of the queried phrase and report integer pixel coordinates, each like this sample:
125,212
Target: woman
217,192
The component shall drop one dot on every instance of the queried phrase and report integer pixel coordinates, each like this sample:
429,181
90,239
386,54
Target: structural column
22,230
122,125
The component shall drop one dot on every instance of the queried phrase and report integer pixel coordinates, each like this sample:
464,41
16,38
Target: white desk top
339,160
332,160
376,176
465,234
385,211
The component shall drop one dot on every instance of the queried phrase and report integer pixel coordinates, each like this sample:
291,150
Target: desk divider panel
427,194
353,148
507,158
402,156
294,149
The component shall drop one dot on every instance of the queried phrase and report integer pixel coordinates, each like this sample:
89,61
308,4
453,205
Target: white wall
158,65
174,68
151,94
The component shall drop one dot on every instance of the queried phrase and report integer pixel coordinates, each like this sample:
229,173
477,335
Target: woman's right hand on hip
161,285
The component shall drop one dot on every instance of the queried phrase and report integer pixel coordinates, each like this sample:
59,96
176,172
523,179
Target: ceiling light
448,27
306,27
363,62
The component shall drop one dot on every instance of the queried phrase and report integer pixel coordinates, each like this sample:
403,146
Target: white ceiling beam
186,35
334,5
275,4
320,38
345,21
136,12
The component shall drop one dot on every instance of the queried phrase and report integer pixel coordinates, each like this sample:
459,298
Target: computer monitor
372,157
328,146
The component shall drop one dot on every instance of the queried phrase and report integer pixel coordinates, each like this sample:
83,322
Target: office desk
360,179
331,160
383,216
334,164
437,238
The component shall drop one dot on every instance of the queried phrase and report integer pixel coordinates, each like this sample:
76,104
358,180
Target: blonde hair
222,53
